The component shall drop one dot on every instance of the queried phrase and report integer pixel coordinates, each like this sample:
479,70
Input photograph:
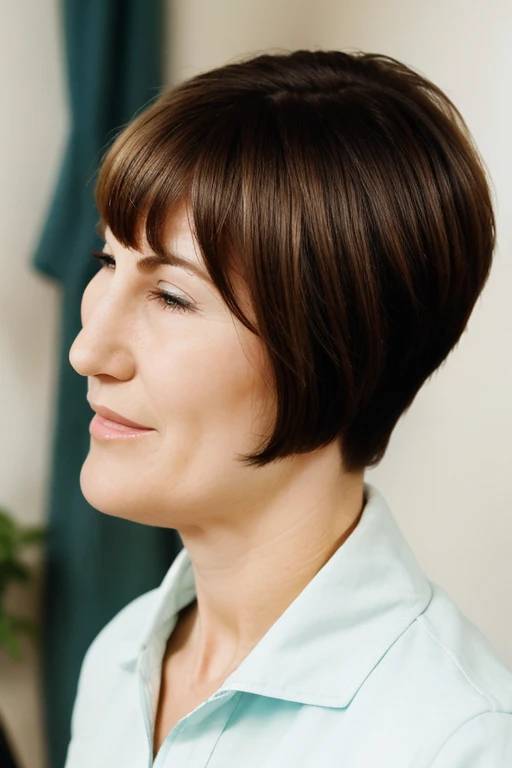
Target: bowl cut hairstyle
347,191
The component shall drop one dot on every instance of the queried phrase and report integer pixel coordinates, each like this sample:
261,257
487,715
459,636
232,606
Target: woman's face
196,376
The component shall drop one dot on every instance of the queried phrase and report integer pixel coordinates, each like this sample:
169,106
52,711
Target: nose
103,345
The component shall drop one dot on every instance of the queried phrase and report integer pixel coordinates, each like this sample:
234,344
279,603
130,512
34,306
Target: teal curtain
94,563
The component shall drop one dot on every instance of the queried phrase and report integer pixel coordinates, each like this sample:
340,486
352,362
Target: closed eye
166,300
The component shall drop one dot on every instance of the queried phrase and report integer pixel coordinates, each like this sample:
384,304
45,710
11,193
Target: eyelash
181,305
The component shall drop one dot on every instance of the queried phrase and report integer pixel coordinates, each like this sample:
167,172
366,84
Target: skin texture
256,537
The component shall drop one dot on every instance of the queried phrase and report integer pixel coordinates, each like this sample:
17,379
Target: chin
103,491
115,496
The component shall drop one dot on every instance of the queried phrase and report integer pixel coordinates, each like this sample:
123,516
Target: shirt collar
327,641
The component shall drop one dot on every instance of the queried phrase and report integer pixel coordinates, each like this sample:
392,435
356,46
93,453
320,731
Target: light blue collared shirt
372,664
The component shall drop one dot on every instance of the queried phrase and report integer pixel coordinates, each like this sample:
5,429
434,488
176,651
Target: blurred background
73,73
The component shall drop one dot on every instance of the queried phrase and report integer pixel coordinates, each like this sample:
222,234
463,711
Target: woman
293,244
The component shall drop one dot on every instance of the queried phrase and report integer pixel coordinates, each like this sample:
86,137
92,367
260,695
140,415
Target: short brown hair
348,192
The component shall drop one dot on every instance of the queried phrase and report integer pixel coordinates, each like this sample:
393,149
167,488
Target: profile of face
185,367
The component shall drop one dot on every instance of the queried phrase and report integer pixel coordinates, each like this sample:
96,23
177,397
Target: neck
248,569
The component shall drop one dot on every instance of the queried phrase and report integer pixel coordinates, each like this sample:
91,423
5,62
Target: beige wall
33,125
446,469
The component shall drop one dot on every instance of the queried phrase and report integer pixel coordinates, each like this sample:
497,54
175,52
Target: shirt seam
429,628
459,727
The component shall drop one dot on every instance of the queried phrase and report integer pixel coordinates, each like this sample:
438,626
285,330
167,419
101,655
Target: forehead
178,232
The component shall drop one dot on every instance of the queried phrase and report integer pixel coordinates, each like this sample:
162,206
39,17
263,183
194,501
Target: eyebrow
148,264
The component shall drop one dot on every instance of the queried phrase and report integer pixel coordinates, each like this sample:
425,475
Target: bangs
164,159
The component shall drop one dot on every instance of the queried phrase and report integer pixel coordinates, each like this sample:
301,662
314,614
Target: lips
107,413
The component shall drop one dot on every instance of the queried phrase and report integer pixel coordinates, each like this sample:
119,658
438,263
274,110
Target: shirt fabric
372,664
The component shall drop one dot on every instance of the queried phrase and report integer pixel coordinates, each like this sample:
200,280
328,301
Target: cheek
216,377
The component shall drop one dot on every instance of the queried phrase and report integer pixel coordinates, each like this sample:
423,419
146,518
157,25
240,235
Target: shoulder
463,654
482,741
100,680
121,632
100,662
451,688
440,696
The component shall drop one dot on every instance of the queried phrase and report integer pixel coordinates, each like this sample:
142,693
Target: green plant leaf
13,538
14,570
7,524
32,534
8,639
